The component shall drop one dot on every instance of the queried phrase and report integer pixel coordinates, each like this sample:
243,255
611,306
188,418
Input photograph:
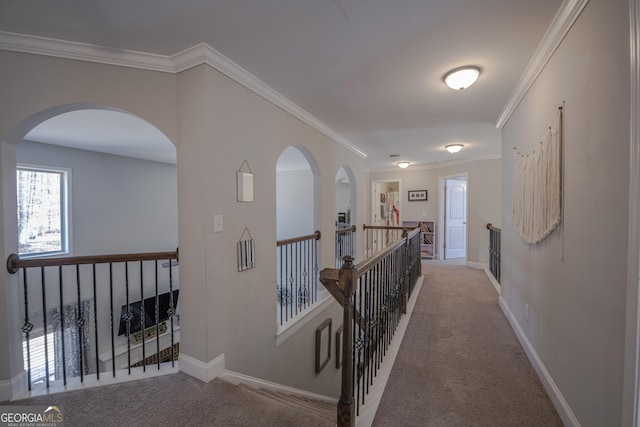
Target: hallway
460,363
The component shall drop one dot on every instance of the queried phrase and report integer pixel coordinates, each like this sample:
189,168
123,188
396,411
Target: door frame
372,202
441,220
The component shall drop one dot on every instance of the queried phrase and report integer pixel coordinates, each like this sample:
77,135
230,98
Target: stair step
308,405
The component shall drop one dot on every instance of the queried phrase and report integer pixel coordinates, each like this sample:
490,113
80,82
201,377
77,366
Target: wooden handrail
15,263
342,284
315,236
346,229
491,227
387,227
371,261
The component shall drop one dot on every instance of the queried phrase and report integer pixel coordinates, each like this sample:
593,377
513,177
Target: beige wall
215,124
484,199
574,282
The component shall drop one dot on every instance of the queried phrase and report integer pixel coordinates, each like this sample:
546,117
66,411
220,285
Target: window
42,211
36,356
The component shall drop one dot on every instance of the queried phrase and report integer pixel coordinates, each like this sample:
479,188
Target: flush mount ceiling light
404,165
462,78
454,148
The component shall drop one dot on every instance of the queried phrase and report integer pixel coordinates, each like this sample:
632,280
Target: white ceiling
369,69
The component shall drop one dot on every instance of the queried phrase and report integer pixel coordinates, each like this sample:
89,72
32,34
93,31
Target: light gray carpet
460,363
173,400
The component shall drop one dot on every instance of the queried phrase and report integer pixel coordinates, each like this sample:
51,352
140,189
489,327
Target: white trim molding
561,405
181,61
631,382
560,26
15,388
203,371
257,383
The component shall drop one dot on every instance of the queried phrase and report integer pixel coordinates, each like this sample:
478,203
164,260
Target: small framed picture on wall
417,195
323,345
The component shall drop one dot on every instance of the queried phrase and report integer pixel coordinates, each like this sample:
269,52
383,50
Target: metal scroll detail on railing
374,297
297,275
345,243
494,251
72,332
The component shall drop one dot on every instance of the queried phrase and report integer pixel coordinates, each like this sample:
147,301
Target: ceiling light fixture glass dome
454,148
462,78
404,165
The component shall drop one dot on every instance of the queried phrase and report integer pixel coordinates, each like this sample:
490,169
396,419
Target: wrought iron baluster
113,344
80,324
62,327
44,322
27,327
128,315
157,313
143,326
171,313
95,322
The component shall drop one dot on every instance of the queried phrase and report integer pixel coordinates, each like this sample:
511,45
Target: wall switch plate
218,225
526,312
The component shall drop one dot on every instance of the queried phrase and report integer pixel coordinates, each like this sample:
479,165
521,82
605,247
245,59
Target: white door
455,238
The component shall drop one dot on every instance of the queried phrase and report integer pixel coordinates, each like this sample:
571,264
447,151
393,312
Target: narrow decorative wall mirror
244,180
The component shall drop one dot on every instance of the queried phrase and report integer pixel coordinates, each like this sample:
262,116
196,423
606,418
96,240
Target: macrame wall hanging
537,186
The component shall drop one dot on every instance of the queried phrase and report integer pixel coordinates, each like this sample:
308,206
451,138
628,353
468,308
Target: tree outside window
41,211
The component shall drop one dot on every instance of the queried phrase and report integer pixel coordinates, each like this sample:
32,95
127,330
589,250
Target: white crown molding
562,23
84,52
204,53
188,58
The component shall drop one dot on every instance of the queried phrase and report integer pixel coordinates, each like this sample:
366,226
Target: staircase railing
345,243
297,275
379,237
71,306
373,295
494,251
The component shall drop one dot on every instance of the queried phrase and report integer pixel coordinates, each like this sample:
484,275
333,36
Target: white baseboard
15,388
203,371
237,378
561,405
476,265
493,280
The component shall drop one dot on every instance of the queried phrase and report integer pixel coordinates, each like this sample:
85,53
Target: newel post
346,408
405,271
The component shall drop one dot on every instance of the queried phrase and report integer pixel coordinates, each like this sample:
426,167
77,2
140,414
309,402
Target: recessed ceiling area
105,131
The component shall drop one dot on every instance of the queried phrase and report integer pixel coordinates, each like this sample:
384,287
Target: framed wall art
417,195
323,345
339,347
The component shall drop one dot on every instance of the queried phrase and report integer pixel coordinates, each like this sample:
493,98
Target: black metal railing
494,251
345,243
297,275
374,297
76,309
377,238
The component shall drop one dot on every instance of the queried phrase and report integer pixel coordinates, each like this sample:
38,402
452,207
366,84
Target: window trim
65,209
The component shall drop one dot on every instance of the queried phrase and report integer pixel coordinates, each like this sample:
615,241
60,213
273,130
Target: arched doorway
297,219
345,197
120,196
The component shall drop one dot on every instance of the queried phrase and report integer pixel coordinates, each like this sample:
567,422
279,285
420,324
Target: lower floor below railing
91,380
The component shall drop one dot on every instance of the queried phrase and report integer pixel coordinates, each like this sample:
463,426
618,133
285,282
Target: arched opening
119,197
345,189
297,219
